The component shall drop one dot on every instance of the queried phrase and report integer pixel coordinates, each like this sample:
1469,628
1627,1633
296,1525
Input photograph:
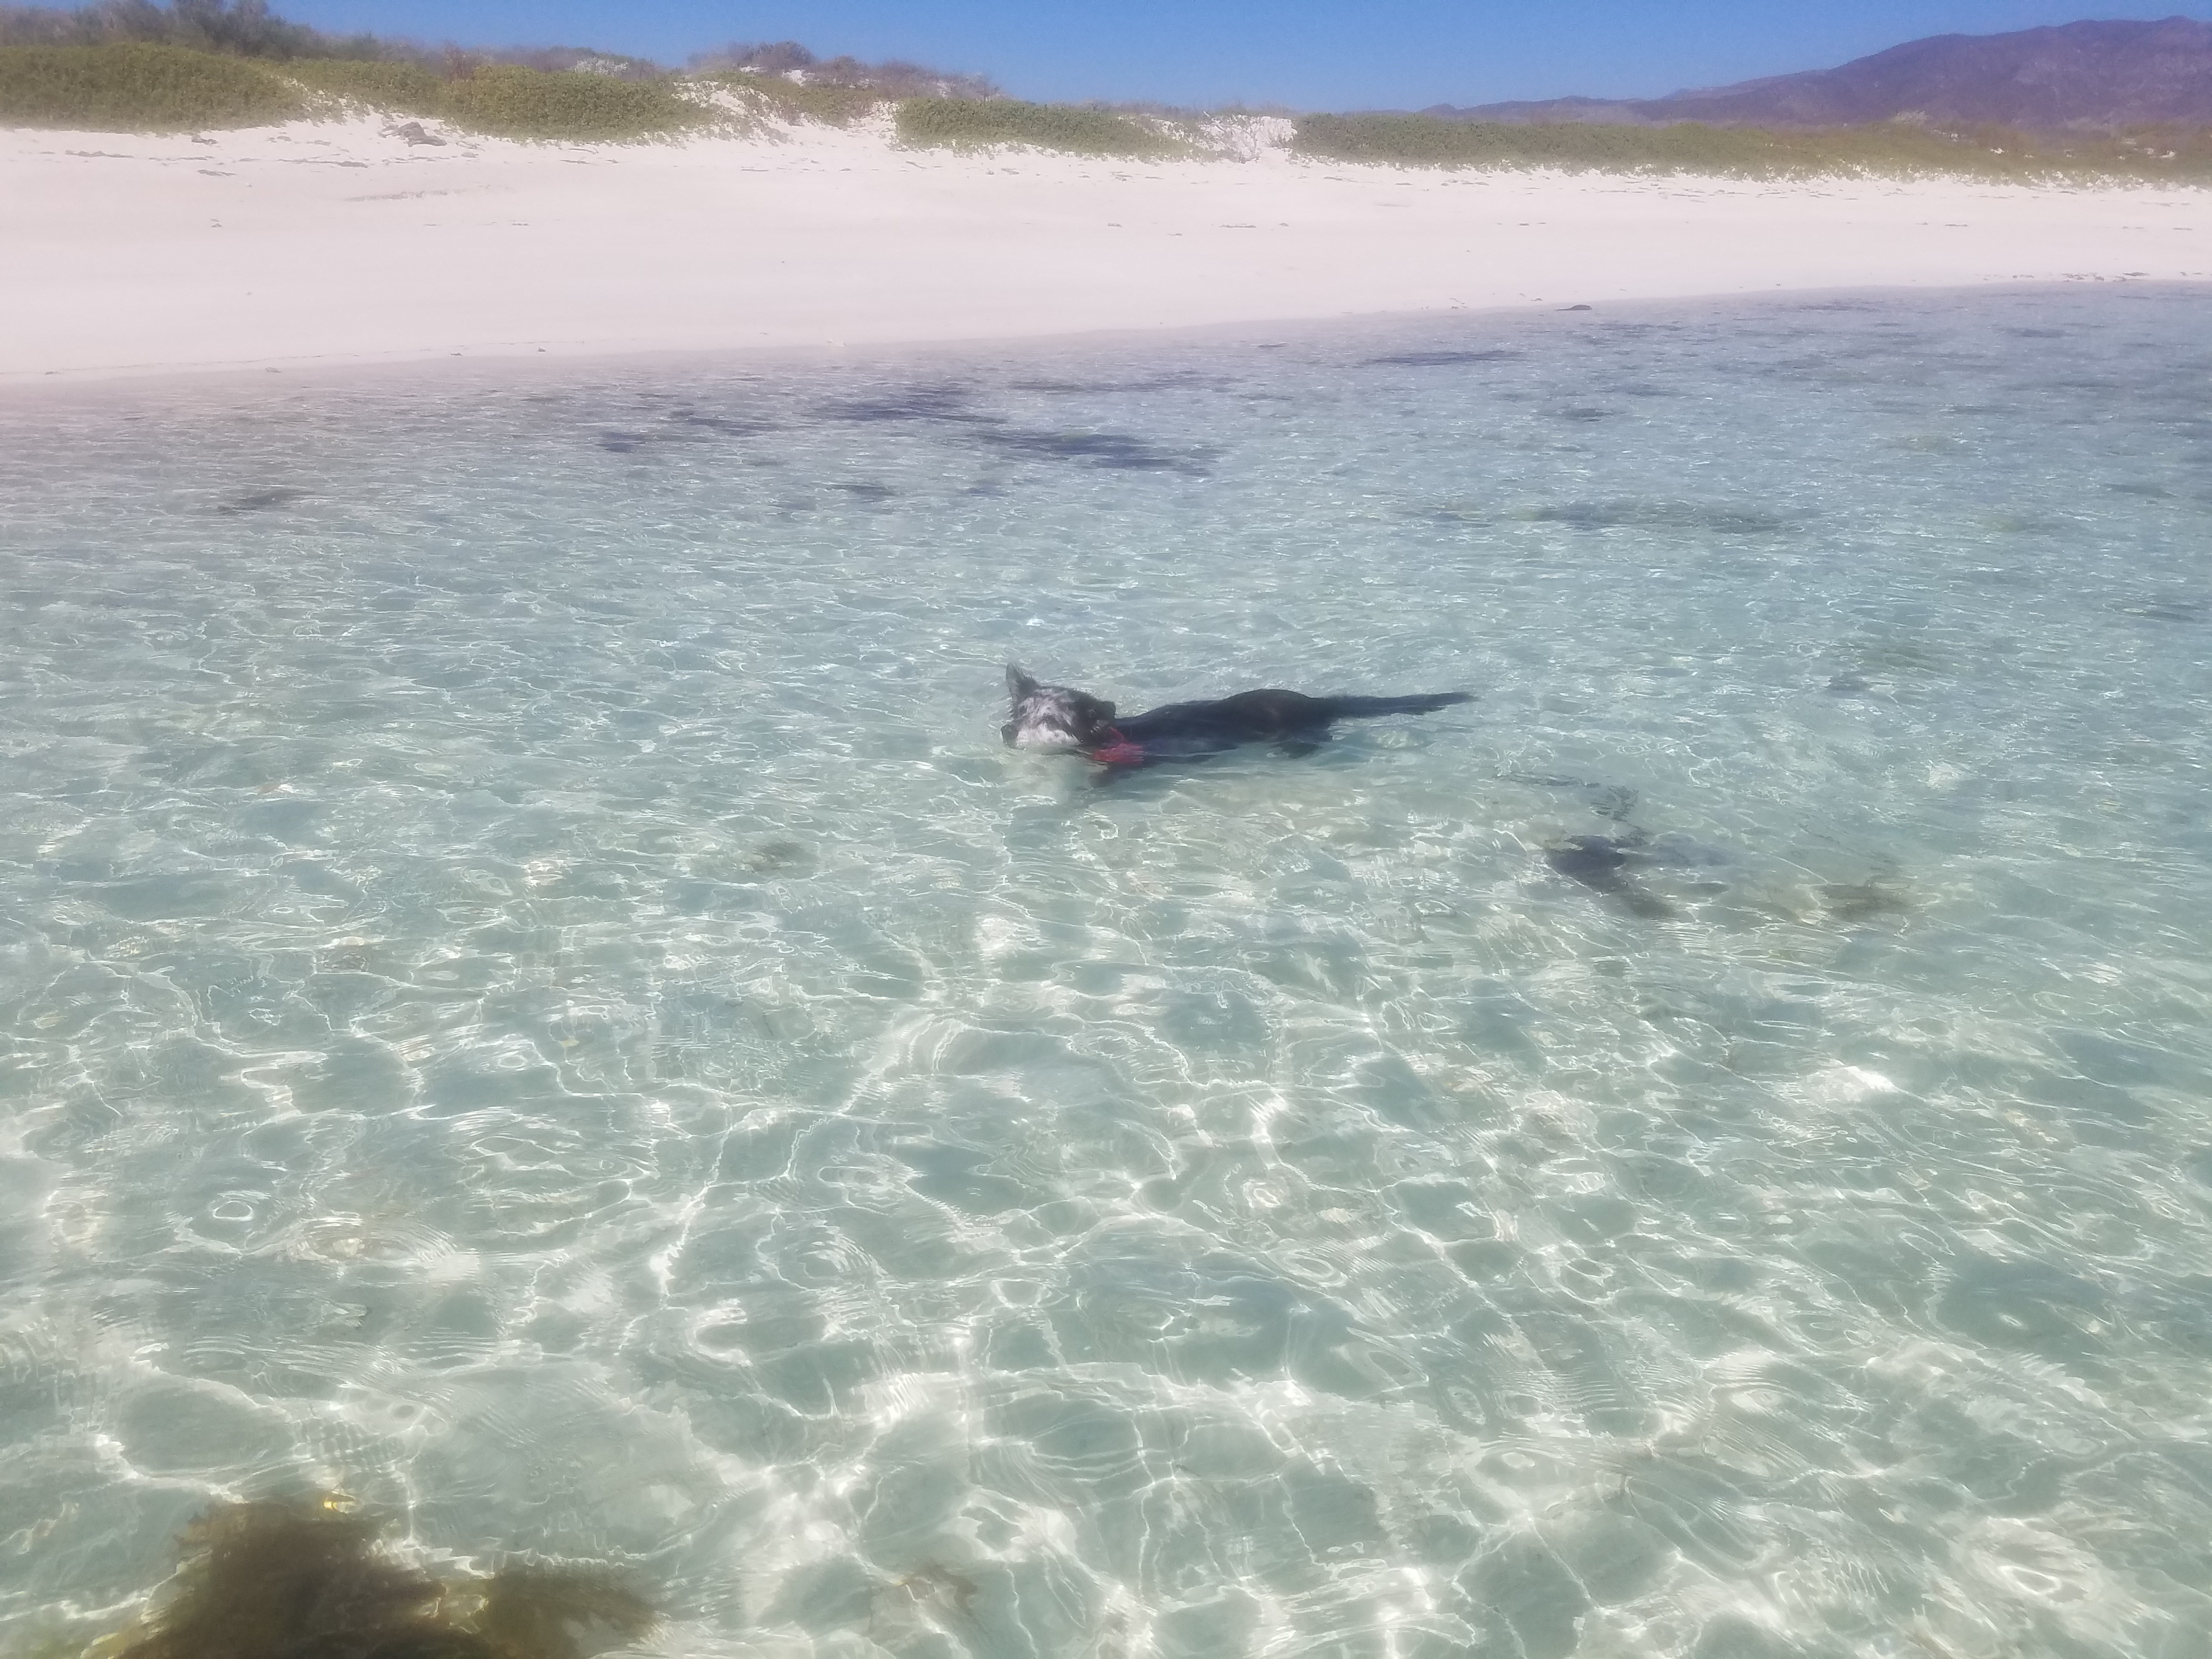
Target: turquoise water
531,993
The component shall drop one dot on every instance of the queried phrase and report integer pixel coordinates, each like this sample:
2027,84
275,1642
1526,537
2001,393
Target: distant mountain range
2097,74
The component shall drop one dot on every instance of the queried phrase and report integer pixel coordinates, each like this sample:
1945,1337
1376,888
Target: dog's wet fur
1059,717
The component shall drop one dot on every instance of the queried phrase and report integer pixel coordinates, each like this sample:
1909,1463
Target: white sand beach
341,241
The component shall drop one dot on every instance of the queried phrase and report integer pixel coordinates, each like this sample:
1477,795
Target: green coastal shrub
135,86
512,102
1896,148
969,123
792,100
401,88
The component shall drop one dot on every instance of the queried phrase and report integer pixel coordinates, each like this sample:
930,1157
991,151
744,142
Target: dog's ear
1018,682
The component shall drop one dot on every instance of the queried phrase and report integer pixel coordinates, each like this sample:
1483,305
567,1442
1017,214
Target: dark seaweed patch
682,426
1442,359
1867,901
254,501
1452,512
1603,863
1181,380
1661,515
921,402
1608,801
305,1578
1104,449
2173,610
723,424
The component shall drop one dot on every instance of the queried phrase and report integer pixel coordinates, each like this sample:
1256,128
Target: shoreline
336,245
234,384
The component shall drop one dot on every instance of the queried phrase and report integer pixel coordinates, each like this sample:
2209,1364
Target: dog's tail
1359,709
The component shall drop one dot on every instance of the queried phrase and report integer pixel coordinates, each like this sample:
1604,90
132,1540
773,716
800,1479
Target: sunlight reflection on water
530,993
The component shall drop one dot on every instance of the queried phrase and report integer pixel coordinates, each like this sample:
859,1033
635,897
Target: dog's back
1061,717
1262,716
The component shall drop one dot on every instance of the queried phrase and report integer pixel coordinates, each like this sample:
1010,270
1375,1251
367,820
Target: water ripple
530,993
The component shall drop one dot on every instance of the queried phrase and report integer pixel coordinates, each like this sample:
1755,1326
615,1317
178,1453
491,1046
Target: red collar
1115,750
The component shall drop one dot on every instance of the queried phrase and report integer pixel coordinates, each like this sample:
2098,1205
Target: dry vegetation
402,89
895,77
244,29
1889,148
510,101
137,86
975,123
193,64
134,65
797,100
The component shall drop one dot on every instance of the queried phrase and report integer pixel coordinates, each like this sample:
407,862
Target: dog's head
1053,716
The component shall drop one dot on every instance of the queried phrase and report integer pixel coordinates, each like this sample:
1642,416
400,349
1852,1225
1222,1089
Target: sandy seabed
344,242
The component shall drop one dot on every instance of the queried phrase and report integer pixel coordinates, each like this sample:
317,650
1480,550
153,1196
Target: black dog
1059,717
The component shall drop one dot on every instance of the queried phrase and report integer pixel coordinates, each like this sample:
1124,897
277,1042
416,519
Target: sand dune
345,241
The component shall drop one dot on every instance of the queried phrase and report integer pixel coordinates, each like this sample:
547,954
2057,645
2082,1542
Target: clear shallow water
532,994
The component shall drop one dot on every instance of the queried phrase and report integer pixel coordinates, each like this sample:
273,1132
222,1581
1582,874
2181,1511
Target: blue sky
1310,54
